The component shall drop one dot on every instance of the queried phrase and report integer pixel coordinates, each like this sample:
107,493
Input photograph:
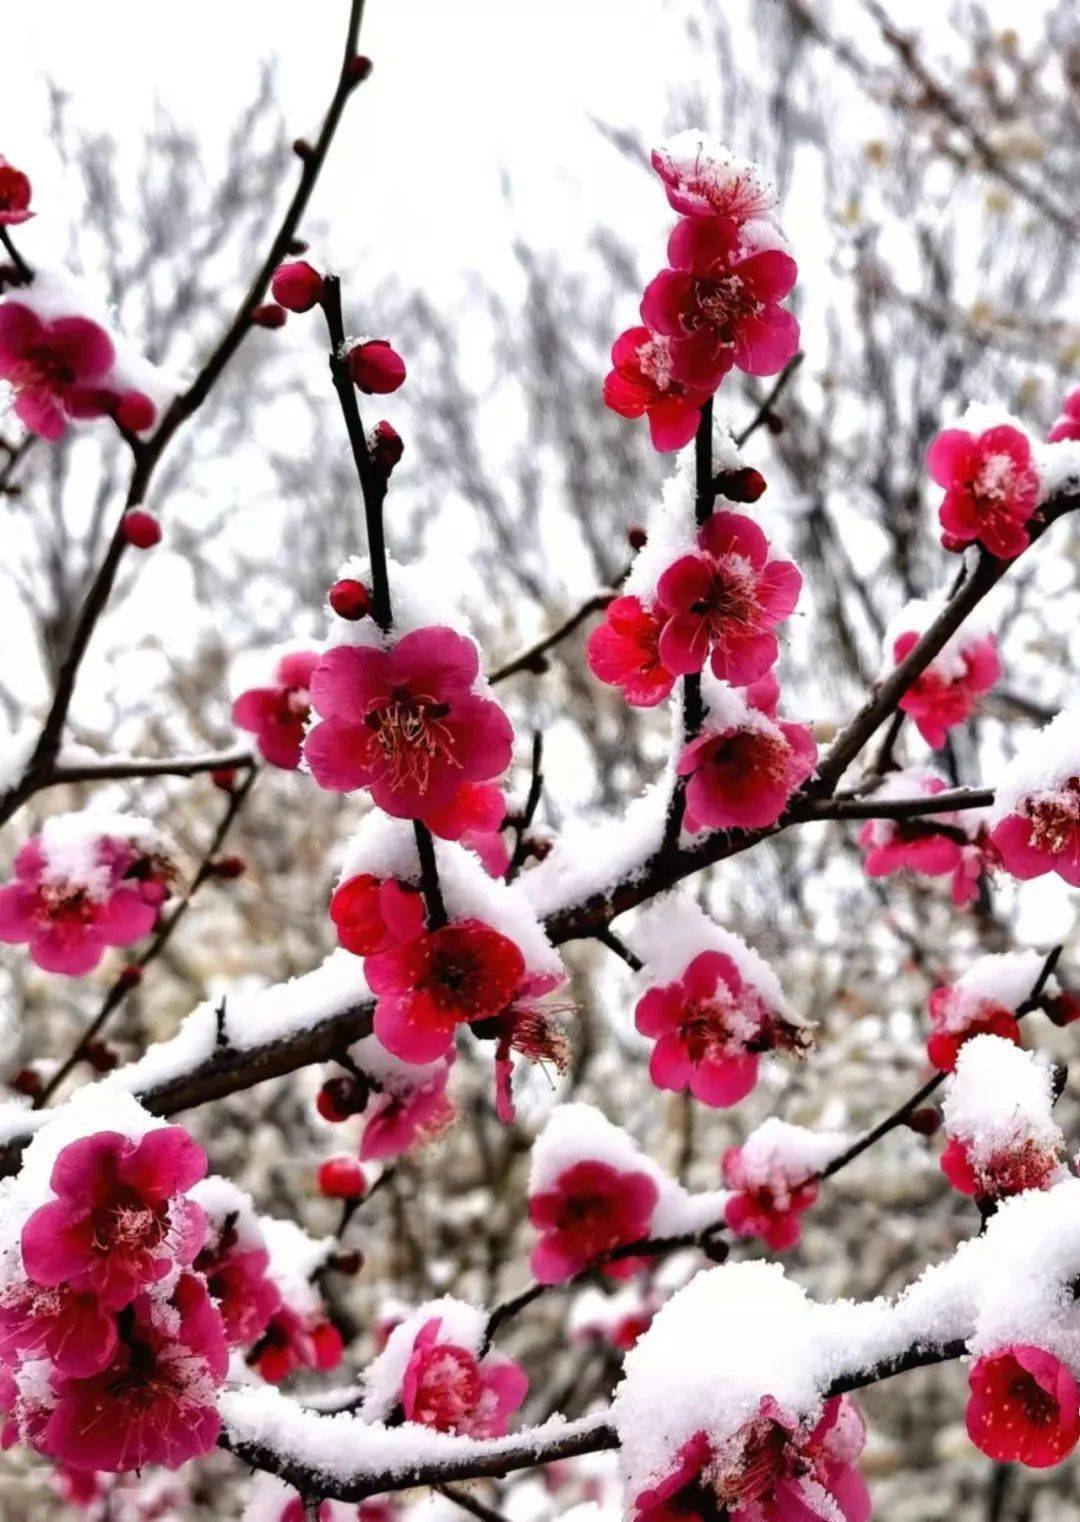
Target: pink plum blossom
703,179
56,369
641,383
401,1117
741,776
237,1275
707,1026
767,1201
1026,1163
294,1340
1067,423
719,304
723,603
474,816
624,651
991,488
957,1018
1042,834
277,714
447,1387
941,698
73,1330
120,1221
531,1026
405,723
372,914
589,1210
1024,1407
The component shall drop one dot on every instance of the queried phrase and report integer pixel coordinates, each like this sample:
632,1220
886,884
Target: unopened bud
386,446
135,412
925,1121
743,485
341,1097
358,68
130,977
27,1081
298,286
269,315
226,868
637,537
376,367
302,148
350,599
224,777
101,1057
140,529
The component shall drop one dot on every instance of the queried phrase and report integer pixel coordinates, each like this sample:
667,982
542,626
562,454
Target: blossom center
412,735
1055,818
41,368
722,302
654,361
449,1388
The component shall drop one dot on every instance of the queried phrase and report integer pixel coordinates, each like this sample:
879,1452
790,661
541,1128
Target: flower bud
350,599
297,286
342,1178
375,367
302,148
386,446
774,422
341,1097
269,315
101,1057
925,1121
1063,1008
135,412
743,485
358,68
130,977
226,868
224,777
350,1262
636,537
28,1082
140,529
14,195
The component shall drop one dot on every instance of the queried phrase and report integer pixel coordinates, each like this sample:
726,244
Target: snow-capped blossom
624,651
373,914
14,195
991,488
719,303
82,886
723,603
445,1386
946,693
742,769
1035,821
773,1178
405,722
296,1340
704,179
1002,1138
773,1469
709,1027
56,369
1067,423
1024,1407
641,384
277,713
462,972
474,816
156,1402
983,1002
589,1210
120,1220
926,844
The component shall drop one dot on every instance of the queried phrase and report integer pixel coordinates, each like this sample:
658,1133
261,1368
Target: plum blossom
723,603
56,369
1024,1407
14,195
984,1001
73,1330
235,1264
1035,821
401,1116
771,1190
948,844
463,972
156,1402
743,768
530,1025
773,1469
588,1210
474,817
991,488
704,179
709,1027
1067,423
405,723
947,692
80,889
445,1386
624,651
1002,1139
373,914
294,1340
120,1220
277,713
641,383
719,303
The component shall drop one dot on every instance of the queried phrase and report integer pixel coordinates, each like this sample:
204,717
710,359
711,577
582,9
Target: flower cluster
773,1467
716,305
87,882
112,1349
947,691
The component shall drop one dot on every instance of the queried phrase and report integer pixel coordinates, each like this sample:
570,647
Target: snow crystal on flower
1045,759
998,1095
670,931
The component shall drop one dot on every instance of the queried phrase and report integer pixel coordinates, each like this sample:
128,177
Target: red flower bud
27,1081
297,286
376,368
386,446
269,315
226,868
1063,1008
342,1178
636,537
224,777
14,195
925,1121
350,599
774,422
130,977
339,1098
101,1057
347,1262
302,148
140,529
744,485
135,412
358,68
296,246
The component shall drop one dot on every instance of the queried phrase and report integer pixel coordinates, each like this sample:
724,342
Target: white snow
462,1324
1044,760
69,843
795,1152
1004,978
670,931
1000,1097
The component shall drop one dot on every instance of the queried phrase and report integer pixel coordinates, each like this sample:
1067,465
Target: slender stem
528,659
429,876
22,269
766,406
114,769
532,803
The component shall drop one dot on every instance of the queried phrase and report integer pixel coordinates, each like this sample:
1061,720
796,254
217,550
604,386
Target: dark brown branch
766,406
24,274
528,659
116,769
532,803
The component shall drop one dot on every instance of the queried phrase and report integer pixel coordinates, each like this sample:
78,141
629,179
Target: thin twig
528,813
528,659
766,406
115,769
